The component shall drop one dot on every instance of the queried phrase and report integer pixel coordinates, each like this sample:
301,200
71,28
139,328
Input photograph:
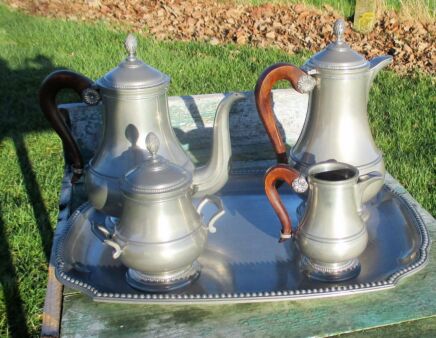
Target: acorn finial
339,29
130,44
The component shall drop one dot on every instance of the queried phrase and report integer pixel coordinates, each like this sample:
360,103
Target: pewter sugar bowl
135,102
160,233
338,81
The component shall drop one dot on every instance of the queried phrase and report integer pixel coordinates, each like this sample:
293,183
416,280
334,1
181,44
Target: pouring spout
211,177
376,65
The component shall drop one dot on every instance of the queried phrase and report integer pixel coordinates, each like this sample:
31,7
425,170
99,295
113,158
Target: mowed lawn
401,111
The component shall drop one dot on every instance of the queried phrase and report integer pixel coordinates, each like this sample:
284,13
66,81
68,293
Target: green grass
401,112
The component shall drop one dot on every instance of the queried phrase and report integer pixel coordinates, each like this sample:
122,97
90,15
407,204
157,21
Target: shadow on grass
8,279
20,114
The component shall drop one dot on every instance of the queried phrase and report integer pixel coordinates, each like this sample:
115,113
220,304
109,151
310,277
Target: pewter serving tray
243,261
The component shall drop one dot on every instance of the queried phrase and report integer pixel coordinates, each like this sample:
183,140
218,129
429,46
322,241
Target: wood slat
413,299
51,316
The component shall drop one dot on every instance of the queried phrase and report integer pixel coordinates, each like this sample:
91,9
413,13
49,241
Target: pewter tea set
143,235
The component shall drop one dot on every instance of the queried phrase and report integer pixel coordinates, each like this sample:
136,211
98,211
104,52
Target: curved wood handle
50,87
280,172
301,82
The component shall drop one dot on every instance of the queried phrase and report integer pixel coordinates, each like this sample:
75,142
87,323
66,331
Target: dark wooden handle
50,87
280,172
277,72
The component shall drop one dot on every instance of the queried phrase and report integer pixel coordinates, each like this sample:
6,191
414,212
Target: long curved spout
376,65
211,177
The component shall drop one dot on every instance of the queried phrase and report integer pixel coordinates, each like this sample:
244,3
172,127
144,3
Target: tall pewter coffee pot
338,81
135,102
332,233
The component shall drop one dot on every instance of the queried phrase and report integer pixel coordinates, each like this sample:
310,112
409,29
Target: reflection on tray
243,260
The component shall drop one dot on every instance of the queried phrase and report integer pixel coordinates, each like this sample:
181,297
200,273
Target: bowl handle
104,235
220,212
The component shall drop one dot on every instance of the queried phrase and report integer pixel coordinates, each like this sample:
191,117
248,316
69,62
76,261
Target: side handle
282,172
220,212
50,87
301,82
364,182
105,236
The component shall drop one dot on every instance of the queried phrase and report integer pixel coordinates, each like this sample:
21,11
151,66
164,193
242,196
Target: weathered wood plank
365,15
301,318
425,327
413,299
194,130
51,316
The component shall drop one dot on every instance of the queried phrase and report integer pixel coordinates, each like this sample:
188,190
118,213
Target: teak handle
301,82
50,87
280,172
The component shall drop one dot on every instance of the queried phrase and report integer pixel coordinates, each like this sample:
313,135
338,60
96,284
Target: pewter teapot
338,81
135,102
332,232
160,233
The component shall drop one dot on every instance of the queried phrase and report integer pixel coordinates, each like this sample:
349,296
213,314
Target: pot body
337,128
332,230
135,104
128,117
160,236
332,233
337,80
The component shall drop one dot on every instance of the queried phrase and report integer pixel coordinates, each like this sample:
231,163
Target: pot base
330,272
165,281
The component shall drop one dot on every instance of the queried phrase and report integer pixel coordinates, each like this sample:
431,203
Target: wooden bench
408,308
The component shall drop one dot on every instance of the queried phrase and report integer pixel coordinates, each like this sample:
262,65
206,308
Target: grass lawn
401,112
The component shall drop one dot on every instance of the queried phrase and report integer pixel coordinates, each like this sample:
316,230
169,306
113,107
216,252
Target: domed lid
156,175
337,55
132,73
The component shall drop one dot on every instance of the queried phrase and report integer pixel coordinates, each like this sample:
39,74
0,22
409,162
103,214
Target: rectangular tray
243,261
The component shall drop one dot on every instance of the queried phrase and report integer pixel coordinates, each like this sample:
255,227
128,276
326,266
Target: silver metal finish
338,56
160,233
243,262
336,126
133,74
306,84
156,178
134,97
91,96
332,233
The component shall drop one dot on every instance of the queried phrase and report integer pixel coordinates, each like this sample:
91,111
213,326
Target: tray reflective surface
243,261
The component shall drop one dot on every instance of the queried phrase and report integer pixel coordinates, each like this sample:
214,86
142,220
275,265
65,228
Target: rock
270,35
214,41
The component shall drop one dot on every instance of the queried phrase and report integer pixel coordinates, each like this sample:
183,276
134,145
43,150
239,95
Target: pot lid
132,73
338,54
156,175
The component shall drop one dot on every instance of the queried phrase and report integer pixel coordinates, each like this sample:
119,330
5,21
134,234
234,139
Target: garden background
206,47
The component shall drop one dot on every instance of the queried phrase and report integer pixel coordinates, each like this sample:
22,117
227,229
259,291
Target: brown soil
291,28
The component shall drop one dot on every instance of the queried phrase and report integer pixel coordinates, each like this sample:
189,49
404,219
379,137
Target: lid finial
152,143
130,44
339,29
